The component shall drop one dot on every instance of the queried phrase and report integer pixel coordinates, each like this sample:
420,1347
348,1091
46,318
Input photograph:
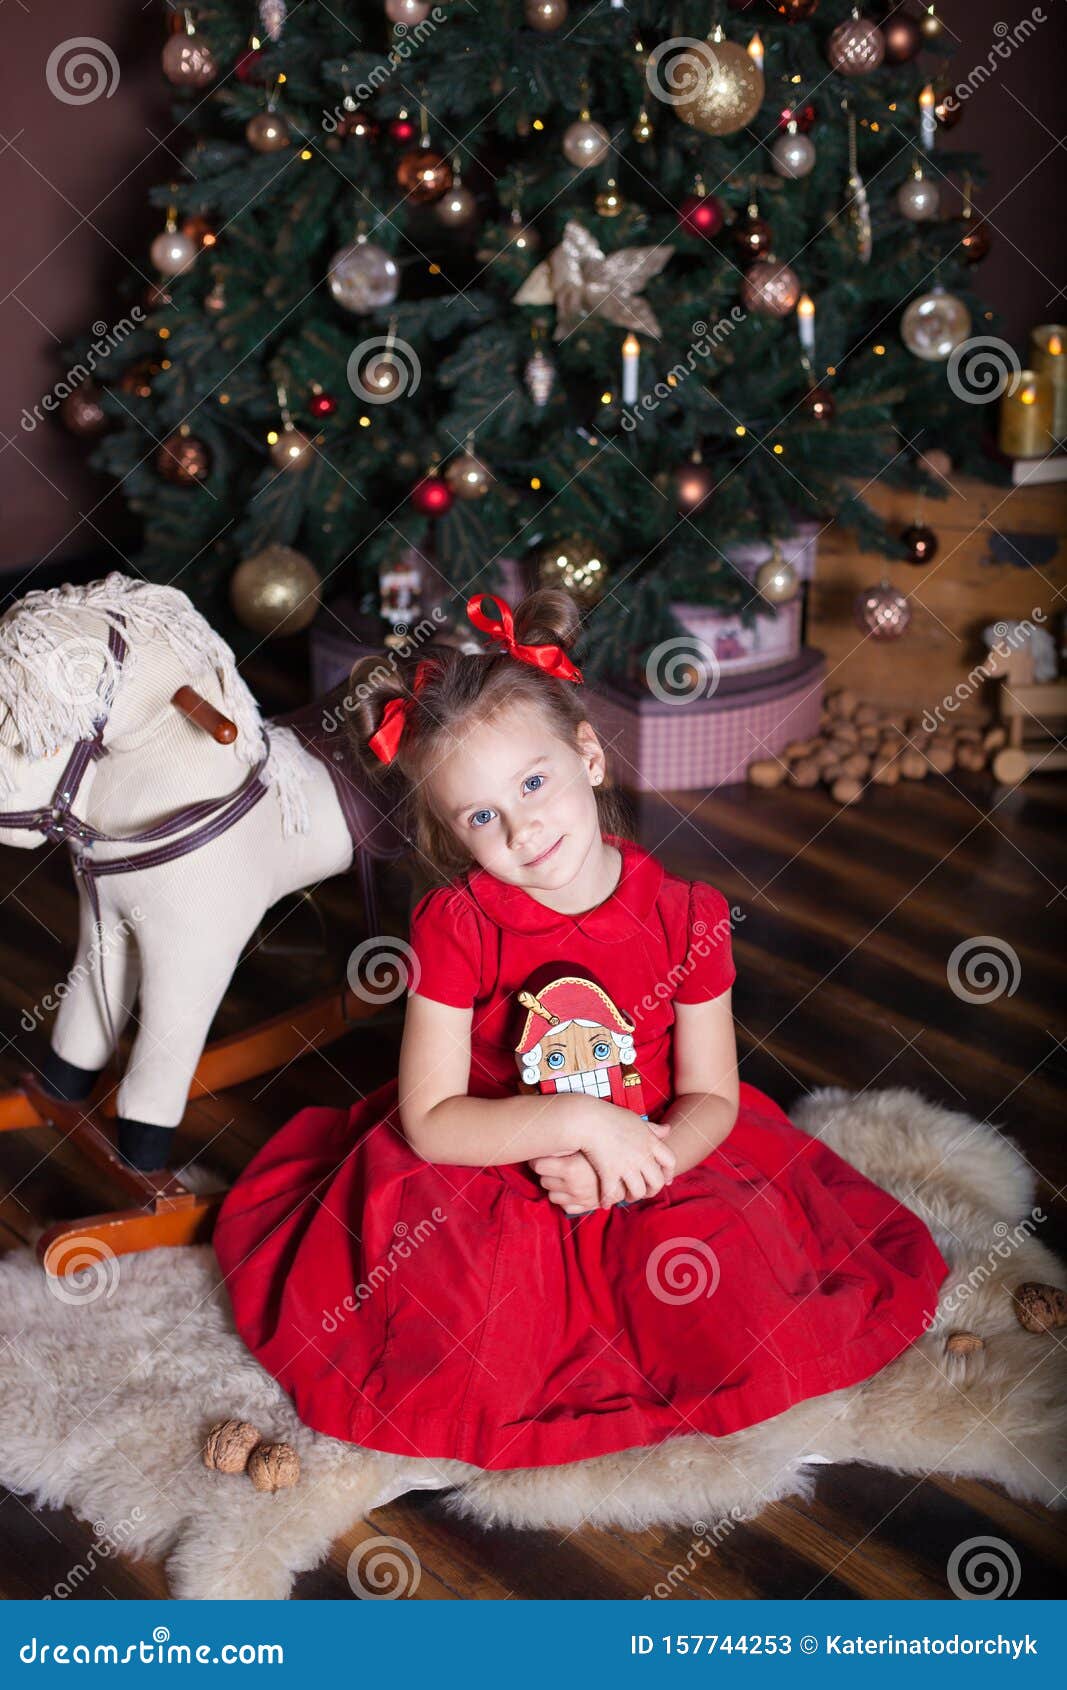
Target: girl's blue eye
474,819
557,1059
529,778
601,1050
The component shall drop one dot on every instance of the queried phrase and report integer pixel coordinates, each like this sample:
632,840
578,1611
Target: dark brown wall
74,181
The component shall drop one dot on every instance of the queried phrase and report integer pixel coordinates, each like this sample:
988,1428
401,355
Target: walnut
963,1343
846,789
274,1467
766,771
229,1444
1040,1308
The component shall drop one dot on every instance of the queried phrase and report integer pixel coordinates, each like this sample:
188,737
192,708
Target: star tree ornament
581,281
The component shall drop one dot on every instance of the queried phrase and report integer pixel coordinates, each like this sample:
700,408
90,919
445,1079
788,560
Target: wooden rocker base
164,1209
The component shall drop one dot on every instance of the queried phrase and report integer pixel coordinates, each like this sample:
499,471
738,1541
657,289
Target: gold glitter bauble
276,592
575,565
728,91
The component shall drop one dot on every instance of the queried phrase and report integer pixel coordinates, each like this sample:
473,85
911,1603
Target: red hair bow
551,658
385,741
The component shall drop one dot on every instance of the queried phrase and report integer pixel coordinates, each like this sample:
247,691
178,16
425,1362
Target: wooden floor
849,920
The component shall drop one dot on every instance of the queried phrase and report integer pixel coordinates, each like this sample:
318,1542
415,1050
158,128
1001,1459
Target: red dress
451,1311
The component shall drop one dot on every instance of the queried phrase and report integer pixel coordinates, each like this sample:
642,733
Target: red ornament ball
402,130
246,69
920,543
431,496
701,215
803,116
322,405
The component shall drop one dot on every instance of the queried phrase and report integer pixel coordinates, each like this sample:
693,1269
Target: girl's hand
630,1155
570,1181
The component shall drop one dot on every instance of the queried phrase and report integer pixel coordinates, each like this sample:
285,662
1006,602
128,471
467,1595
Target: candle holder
1026,416
1048,355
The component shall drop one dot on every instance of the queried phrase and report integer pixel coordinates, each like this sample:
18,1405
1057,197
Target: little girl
455,1268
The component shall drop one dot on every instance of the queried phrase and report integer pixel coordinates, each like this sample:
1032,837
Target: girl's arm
706,1093
443,1124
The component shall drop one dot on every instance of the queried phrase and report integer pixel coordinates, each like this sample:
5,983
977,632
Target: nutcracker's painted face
577,1057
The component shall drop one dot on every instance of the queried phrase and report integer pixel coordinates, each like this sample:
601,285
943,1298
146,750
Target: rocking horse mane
45,626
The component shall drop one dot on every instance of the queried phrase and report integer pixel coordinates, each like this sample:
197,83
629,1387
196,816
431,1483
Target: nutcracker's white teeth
596,1082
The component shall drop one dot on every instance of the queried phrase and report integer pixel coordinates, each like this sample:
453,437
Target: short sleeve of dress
707,968
446,949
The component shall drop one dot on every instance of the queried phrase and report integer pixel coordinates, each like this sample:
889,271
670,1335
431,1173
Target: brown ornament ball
856,47
948,108
82,413
753,235
545,15
273,1467
882,611
424,175
267,132
183,460
457,207
920,543
930,24
770,289
139,377
976,240
693,483
903,39
293,450
188,61
818,405
468,477
276,592
585,143
229,1444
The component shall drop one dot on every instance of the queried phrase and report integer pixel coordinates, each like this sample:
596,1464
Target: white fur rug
109,1381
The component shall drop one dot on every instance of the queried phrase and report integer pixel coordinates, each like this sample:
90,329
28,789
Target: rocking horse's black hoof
143,1145
66,1080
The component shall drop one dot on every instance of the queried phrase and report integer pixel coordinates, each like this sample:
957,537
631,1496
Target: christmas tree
605,286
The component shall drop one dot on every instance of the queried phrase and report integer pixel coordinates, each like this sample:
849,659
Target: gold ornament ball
293,449
276,592
545,15
856,47
586,143
770,289
576,566
728,90
776,581
609,201
930,24
468,477
188,62
183,460
267,132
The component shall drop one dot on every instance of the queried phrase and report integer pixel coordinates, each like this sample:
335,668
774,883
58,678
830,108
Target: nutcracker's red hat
570,998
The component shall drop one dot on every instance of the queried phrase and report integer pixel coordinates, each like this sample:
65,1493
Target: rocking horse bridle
206,820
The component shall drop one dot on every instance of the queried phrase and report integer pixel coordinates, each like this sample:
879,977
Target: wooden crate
1002,554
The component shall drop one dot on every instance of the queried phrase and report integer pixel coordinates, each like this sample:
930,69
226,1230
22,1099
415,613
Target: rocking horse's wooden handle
205,715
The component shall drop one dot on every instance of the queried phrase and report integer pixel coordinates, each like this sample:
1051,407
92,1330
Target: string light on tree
927,120
631,362
806,323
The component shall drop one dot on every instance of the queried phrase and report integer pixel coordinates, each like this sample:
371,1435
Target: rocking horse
127,734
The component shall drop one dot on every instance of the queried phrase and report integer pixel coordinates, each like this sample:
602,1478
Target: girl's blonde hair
461,690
